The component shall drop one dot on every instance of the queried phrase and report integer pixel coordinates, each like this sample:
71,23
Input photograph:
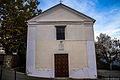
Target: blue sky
105,12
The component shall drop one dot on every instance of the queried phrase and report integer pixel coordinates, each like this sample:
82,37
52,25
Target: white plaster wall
30,62
60,14
75,32
30,49
76,50
79,32
42,42
72,32
89,32
91,71
45,32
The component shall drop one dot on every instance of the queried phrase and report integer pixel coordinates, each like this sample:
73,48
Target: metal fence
7,75
12,75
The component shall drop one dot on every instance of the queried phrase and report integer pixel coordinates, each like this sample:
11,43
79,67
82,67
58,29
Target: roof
64,6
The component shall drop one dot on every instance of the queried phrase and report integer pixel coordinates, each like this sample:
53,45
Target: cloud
110,24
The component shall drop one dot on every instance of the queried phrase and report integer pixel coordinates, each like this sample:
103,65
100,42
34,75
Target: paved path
108,73
10,75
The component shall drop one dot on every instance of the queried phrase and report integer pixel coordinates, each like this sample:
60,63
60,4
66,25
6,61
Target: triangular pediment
61,12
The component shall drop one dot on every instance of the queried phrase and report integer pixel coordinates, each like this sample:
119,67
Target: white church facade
60,43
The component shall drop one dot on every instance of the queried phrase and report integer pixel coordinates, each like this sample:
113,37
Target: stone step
59,78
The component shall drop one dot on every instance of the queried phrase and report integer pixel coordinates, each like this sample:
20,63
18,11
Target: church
60,43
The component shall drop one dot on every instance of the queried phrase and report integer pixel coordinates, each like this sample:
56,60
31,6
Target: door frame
54,64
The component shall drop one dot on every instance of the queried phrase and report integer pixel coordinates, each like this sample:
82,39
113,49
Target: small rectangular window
60,32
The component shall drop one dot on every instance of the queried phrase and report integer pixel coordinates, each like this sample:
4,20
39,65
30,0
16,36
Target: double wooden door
61,65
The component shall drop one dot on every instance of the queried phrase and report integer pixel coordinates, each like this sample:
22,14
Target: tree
13,30
108,49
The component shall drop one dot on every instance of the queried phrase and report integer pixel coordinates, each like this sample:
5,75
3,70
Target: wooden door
61,65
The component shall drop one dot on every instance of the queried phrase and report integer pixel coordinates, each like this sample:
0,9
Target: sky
105,12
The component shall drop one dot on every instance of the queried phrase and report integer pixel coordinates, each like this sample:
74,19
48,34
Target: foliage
13,30
108,49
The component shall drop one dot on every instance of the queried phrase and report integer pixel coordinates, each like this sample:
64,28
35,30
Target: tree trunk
110,66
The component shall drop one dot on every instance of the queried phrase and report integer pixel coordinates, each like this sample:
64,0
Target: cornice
59,22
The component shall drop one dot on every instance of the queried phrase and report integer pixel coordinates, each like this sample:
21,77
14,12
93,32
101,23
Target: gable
61,12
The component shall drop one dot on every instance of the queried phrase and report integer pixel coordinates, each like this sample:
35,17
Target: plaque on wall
61,46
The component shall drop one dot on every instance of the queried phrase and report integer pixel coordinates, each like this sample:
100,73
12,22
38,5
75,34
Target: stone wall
8,60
